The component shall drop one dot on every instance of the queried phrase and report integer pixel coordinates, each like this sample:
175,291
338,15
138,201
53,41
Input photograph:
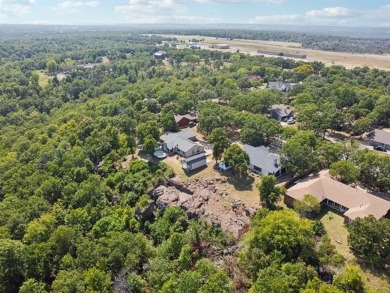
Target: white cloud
160,11
277,19
10,8
219,1
78,4
273,2
151,10
380,16
326,16
329,12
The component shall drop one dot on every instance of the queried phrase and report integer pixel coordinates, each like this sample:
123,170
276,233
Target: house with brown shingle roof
349,201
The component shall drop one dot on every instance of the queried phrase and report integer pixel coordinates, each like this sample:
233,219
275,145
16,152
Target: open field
43,78
329,58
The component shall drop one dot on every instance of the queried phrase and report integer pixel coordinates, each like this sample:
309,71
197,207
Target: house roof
196,158
167,136
160,53
90,65
279,85
261,157
380,136
190,117
359,203
281,110
179,139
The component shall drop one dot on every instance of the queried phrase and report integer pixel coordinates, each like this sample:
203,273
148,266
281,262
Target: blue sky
306,12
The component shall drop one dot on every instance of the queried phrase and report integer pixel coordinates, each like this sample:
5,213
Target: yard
243,189
334,226
43,78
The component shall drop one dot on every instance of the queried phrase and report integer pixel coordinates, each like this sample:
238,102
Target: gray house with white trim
194,162
281,112
263,162
181,143
379,137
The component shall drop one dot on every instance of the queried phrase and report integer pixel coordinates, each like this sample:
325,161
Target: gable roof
359,203
190,117
279,85
380,136
187,134
196,158
179,139
261,157
281,110
160,53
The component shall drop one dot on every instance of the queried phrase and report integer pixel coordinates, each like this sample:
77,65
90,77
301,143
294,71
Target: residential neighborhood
164,165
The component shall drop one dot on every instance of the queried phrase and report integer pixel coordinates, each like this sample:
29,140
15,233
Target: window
257,169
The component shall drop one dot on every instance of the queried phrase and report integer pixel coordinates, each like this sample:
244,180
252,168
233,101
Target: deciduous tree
220,141
345,171
269,192
307,205
238,158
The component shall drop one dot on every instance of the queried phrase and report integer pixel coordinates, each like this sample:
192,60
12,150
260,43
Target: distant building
194,162
160,55
351,202
90,65
181,143
280,86
263,162
254,77
185,120
219,46
379,137
281,112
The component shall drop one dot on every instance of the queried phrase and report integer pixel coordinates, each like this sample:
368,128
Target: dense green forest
74,219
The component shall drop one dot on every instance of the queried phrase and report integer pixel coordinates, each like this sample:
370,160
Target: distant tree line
312,41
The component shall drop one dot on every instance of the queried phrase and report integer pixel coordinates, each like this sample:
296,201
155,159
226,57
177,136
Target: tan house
351,202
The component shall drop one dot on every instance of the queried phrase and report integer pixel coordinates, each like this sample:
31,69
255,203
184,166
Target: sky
280,12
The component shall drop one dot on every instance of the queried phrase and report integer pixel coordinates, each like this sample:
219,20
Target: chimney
275,162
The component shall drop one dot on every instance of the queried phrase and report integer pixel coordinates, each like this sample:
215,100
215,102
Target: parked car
380,148
291,121
222,166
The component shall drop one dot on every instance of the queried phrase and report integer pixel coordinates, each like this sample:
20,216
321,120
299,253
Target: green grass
337,232
43,78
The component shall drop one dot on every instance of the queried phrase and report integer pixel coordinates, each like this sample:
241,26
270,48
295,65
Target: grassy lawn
334,226
43,78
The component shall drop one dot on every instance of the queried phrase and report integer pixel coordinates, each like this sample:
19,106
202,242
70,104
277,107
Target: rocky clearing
210,199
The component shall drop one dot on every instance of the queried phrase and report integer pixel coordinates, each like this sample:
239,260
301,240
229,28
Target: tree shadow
366,265
240,183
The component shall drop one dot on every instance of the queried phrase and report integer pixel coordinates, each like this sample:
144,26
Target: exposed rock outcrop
208,199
